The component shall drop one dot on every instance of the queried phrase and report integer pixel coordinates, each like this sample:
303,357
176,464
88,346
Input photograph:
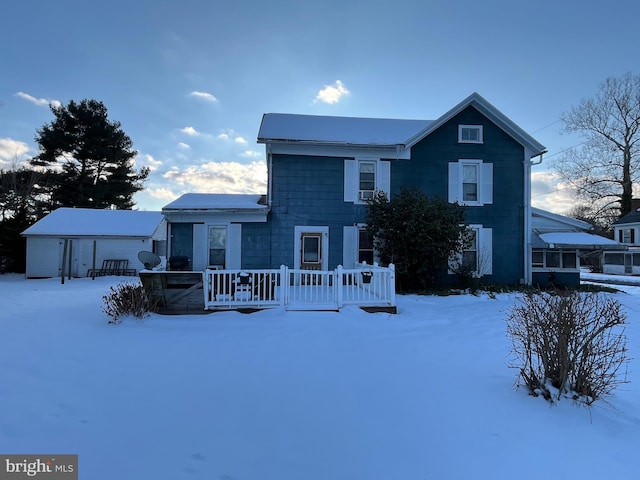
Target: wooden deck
175,292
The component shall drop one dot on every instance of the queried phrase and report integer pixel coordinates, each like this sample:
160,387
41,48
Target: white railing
367,285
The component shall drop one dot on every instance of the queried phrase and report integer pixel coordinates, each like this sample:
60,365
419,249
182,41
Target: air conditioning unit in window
366,194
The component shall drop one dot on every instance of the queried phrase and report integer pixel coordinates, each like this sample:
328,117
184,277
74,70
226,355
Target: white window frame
365,195
560,252
478,128
484,252
484,182
382,180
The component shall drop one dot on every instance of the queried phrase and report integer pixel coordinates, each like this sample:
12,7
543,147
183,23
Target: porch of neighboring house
369,286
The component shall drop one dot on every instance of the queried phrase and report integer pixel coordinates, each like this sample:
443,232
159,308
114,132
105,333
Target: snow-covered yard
425,394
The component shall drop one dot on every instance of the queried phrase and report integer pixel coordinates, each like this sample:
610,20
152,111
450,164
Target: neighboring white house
627,231
91,236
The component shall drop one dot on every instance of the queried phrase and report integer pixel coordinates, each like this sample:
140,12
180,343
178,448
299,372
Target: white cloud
550,192
221,177
190,131
332,93
204,96
251,154
149,161
11,150
184,146
161,193
239,140
41,102
223,136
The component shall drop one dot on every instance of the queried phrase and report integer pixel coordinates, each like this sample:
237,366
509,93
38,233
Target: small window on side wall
470,134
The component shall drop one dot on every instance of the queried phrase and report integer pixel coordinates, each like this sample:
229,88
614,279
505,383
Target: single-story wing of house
85,238
557,243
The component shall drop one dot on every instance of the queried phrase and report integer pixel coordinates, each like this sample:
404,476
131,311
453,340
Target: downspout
269,198
269,174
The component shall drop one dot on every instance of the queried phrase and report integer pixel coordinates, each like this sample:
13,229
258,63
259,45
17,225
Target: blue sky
189,80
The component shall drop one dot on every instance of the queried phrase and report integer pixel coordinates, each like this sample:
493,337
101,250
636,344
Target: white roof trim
491,112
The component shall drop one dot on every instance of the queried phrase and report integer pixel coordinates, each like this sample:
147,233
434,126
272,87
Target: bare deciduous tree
607,166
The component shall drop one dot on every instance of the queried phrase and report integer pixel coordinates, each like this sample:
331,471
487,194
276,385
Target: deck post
284,285
337,282
392,283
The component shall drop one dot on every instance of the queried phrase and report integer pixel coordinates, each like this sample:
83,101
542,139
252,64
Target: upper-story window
470,177
471,182
626,235
365,176
366,180
470,134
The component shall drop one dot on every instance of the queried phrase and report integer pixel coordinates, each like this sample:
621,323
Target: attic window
470,134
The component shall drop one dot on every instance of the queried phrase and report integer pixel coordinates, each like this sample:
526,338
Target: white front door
311,248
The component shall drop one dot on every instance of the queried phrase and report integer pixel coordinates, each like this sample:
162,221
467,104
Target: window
310,249
471,182
365,176
554,259
477,255
470,253
217,245
470,134
366,180
568,259
537,259
614,258
627,235
365,247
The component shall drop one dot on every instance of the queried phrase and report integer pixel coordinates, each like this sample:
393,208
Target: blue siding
306,191
558,279
428,170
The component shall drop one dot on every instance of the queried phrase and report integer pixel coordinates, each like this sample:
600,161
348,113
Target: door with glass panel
311,251
217,247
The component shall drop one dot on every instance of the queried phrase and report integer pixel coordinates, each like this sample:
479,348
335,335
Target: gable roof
228,202
89,222
285,127
631,217
492,113
381,132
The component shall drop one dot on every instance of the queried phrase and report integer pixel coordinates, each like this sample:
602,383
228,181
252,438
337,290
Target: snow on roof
577,239
88,222
216,201
561,220
338,130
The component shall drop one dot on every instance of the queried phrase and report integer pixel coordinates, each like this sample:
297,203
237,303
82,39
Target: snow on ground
424,394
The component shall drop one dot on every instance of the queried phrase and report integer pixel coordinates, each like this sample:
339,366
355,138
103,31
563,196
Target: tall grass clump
127,299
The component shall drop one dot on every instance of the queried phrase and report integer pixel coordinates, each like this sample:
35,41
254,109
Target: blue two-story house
322,170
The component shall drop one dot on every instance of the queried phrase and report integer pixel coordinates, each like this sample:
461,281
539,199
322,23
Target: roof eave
495,115
390,146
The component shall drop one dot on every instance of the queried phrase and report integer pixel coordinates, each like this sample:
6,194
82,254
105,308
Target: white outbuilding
77,241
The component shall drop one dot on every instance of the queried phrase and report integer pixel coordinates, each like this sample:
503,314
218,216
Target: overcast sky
189,80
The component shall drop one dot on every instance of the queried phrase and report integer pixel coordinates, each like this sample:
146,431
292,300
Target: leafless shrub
569,344
127,299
